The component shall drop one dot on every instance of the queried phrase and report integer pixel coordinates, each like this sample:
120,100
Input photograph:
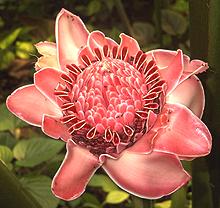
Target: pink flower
135,114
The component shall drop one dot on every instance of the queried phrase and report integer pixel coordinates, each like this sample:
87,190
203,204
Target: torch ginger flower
135,114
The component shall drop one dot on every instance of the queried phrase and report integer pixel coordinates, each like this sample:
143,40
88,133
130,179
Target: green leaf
24,49
53,164
86,200
9,39
32,152
144,32
164,204
8,121
13,195
94,7
6,57
103,181
181,6
173,23
39,188
6,154
90,198
116,197
7,139
75,203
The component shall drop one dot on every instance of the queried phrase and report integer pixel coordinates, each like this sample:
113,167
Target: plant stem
205,44
123,16
12,194
213,84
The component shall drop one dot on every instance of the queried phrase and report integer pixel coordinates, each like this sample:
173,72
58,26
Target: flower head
135,114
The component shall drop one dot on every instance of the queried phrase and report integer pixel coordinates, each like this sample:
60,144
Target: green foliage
116,197
7,139
8,121
6,156
103,181
181,6
144,32
94,7
24,49
39,188
164,204
32,152
173,23
6,58
9,39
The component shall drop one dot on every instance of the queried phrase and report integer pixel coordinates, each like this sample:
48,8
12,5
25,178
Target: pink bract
135,114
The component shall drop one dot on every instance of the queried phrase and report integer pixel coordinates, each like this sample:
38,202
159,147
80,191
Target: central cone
110,103
108,93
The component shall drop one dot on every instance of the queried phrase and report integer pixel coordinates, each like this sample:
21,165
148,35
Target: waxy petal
189,93
85,52
71,35
46,80
193,67
163,59
49,55
97,39
130,43
75,172
172,73
53,127
182,133
46,61
29,104
147,175
144,144
46,48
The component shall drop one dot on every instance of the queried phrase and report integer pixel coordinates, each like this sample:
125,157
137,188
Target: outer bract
135,114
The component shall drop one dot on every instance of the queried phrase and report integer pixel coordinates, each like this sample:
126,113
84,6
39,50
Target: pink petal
85,52
172,73
49,55
183,133
130,43
97,39
46,80
163,58
193,67
144,144
46,48
46,61
52,127
29,104
75,172
189,93
147,175
111,43
71,35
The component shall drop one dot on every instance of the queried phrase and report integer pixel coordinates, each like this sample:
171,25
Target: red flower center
111,101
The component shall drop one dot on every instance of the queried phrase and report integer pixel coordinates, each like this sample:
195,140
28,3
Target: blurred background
29,154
